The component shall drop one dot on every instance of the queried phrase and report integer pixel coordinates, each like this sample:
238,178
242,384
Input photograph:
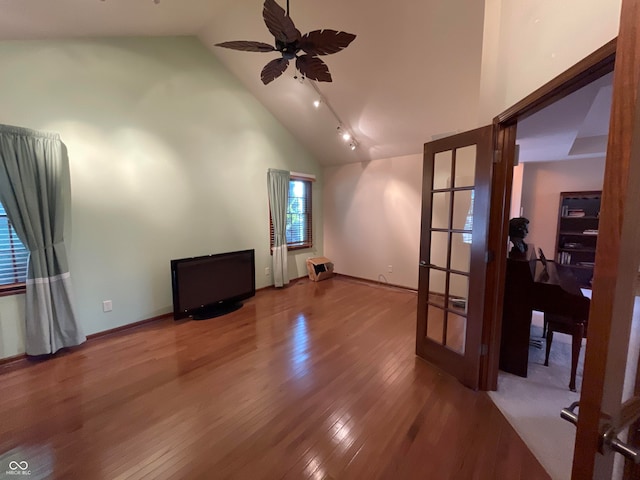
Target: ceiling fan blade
279,23
313,68
325,42
273,70
247,46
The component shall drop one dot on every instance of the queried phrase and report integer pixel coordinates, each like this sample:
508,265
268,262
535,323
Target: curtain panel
278,188
34,181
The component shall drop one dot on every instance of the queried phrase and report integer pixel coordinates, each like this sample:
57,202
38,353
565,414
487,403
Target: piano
535,284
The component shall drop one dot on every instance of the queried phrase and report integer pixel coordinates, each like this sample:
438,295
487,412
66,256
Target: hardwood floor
318,380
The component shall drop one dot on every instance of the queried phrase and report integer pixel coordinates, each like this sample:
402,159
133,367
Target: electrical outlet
267,271
107,306
390,269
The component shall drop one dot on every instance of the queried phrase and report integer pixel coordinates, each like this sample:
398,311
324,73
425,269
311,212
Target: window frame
308,181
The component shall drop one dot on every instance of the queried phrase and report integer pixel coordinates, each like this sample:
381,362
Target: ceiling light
353,145
346,136
317,102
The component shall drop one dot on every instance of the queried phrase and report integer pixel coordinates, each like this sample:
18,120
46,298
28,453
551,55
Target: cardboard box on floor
319,268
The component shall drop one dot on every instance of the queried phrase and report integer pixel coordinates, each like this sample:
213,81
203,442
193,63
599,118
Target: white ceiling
413,71
572,128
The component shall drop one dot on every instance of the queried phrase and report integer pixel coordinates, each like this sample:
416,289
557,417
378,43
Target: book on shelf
590,232
573,212
586,264
564,258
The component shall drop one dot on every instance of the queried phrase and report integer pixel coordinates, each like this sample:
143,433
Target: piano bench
571,326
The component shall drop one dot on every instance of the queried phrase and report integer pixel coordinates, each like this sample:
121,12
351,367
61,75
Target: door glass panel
442,170
456,332
437,280
435,324
463,210
458,293
465,166
440,210
439,248
461,252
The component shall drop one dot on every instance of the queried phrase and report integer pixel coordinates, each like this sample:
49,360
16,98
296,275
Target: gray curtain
278,186
34,182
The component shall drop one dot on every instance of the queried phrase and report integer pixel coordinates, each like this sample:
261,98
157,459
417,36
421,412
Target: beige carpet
533,404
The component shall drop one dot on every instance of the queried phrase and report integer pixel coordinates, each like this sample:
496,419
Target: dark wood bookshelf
578,213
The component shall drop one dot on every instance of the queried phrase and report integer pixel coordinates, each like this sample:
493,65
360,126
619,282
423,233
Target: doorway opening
556,186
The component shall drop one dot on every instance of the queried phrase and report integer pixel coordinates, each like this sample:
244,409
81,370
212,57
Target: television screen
213,282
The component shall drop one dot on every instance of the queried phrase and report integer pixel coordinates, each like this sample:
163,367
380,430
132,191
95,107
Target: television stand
214,311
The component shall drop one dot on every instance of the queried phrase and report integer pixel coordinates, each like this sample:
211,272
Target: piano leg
549,340
576,345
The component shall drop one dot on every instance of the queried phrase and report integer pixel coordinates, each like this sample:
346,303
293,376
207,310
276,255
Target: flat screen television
212,285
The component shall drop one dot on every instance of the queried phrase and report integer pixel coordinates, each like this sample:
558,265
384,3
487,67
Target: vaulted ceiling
412,73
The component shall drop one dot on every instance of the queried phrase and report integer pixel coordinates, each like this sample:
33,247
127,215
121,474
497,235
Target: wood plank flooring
318,380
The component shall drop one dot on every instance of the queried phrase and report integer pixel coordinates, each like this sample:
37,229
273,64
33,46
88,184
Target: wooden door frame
596,65
617,258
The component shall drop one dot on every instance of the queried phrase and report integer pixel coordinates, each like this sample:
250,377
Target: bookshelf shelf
577,234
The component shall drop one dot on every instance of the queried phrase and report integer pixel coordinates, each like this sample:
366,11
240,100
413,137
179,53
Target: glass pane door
451,285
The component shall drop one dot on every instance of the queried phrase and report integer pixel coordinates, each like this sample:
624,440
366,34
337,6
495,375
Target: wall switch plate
107,306
390,269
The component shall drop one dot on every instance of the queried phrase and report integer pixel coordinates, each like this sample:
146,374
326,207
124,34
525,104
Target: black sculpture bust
518,229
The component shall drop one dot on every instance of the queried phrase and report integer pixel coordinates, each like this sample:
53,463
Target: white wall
528,43
372,219
168,157
541,187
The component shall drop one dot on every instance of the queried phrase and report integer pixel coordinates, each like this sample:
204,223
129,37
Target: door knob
610,439
629,413
569,414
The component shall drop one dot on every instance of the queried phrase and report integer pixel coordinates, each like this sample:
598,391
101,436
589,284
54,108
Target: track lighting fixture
344,133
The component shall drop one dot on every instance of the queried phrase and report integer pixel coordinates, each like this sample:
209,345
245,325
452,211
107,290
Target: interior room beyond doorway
562,148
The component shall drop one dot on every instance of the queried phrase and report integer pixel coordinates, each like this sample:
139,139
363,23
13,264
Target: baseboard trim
4,362
376,283
128,326
292,281
23,360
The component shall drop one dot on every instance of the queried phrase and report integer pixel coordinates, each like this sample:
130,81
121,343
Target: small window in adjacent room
299,222
13,257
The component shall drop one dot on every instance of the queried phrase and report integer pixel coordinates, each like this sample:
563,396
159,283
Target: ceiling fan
290,42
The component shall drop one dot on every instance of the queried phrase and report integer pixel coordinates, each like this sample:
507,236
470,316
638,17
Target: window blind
13,254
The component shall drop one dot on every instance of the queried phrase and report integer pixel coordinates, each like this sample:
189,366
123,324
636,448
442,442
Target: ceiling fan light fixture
303,50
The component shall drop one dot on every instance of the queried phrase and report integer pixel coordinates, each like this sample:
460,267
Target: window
468,224
13,257
299,232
